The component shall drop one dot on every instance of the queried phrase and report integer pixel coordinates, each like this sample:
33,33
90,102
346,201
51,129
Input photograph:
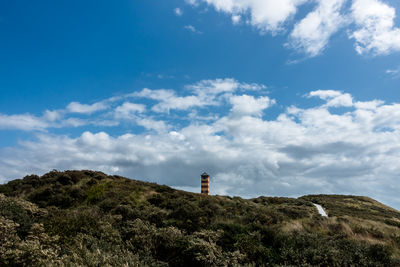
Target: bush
90,219
12,210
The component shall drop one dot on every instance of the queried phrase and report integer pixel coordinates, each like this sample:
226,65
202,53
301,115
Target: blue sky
271,98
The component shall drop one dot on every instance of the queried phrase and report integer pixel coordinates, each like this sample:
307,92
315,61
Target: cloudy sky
281,98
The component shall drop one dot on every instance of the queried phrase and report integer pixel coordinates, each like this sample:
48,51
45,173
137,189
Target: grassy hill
87,218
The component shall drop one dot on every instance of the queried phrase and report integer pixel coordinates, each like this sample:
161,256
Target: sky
275,98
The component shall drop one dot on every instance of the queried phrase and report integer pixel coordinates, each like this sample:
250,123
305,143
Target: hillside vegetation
87,218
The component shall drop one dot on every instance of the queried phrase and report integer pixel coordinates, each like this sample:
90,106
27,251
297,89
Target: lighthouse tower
205,183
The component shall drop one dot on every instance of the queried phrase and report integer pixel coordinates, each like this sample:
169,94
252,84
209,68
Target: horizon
286,99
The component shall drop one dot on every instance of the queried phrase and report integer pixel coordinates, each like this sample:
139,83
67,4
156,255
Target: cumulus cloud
52,115
169,100
203,93
266,15
311,35
333,98
245,104
127,109
151,124
369,105
214,87
377,33
114,110
318,149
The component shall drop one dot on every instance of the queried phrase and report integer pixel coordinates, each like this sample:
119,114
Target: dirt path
321,210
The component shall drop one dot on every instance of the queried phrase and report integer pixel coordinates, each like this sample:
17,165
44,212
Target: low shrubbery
85,218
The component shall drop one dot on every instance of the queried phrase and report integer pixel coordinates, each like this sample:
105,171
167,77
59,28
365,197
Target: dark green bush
13,211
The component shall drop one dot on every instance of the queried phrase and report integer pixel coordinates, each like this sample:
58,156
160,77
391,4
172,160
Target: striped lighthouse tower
205,183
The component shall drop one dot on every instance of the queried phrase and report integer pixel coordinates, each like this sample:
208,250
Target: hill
87,218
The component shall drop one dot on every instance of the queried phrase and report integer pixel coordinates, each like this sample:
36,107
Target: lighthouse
205,183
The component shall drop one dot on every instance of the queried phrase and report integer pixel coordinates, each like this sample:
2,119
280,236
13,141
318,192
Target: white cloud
52,115
376,31
179,103
266,15
218,86
245,104
76,107
178,11
395,73
371,105
25,122
392,72
70,122
127,109
300,151
29,122
191,2
214,87
204,92
192,29
169,100
311,35
325,94
333,98
155,94
236,19
150,124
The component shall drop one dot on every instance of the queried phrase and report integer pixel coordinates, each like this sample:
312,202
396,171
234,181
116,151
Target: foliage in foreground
86,218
